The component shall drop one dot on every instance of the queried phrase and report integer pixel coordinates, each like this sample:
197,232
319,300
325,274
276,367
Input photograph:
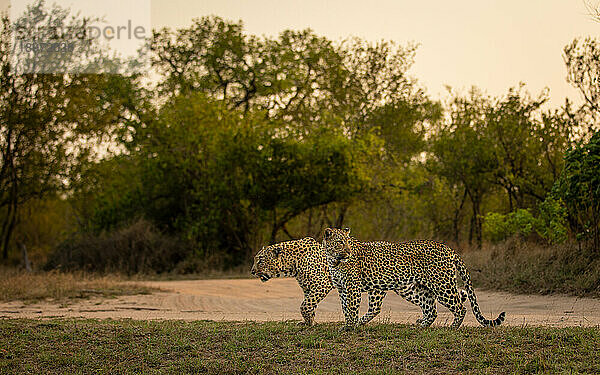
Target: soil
279,300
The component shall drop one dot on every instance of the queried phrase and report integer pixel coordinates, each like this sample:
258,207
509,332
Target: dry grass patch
526,267
31,287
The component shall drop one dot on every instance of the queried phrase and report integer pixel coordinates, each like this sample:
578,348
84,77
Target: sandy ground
279,299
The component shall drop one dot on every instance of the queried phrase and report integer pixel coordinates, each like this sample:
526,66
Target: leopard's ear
276,250
328,233
347,230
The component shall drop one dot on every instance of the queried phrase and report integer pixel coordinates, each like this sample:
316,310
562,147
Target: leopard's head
336,244
267,263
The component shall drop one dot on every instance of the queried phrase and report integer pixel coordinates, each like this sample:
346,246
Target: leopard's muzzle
262,276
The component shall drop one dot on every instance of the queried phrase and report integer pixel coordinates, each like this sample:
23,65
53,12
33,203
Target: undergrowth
528,267
32,287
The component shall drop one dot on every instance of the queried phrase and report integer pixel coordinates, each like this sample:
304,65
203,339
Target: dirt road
279,299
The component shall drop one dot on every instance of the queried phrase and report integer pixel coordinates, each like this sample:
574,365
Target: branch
593,10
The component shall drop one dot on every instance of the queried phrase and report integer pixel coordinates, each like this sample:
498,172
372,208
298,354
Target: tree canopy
236,140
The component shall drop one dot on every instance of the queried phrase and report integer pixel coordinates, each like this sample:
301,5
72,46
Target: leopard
422,271
306,260
303,259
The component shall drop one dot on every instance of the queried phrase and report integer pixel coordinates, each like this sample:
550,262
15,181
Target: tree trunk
26,262
340,219
274,231
8,228
471,226
595,226
456,220
477,221
309,221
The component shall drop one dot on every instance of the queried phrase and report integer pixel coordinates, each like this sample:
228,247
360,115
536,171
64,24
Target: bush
498,227
579,188
551,223
138,248
222,179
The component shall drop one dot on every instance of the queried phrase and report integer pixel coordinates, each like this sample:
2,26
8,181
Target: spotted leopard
421,271
306,260
303,259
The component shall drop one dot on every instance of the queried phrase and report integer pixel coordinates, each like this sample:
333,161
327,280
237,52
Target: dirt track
279,299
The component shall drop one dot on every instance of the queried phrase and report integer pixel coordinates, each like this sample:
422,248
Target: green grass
127,346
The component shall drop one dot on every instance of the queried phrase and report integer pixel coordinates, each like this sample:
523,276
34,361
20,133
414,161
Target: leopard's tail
466,278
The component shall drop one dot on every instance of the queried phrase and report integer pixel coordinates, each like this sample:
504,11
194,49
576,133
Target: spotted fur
303,259
306,260
421,271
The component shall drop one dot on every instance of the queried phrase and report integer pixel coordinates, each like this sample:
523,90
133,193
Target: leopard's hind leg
375,300
449,297
424,298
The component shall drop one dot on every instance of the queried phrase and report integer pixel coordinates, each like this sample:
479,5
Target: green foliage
550,224
255,133
579,188
222,179
301,78
495,227
108,193
527,144
552,220
463,156
248,139
582,59
50,123
498,227
492,145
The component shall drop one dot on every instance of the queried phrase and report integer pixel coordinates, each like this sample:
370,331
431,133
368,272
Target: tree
504,144
582,58
307,82
49,122
211,56
223,178
298,77
463,155
528,145
579,188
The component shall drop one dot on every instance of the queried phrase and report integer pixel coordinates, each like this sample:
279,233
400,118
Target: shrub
138,248
579,188
498,227
551,223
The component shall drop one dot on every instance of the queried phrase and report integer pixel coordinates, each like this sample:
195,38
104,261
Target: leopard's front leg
350,298
375,300
309,304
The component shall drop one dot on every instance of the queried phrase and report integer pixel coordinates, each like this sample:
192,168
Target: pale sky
492,44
